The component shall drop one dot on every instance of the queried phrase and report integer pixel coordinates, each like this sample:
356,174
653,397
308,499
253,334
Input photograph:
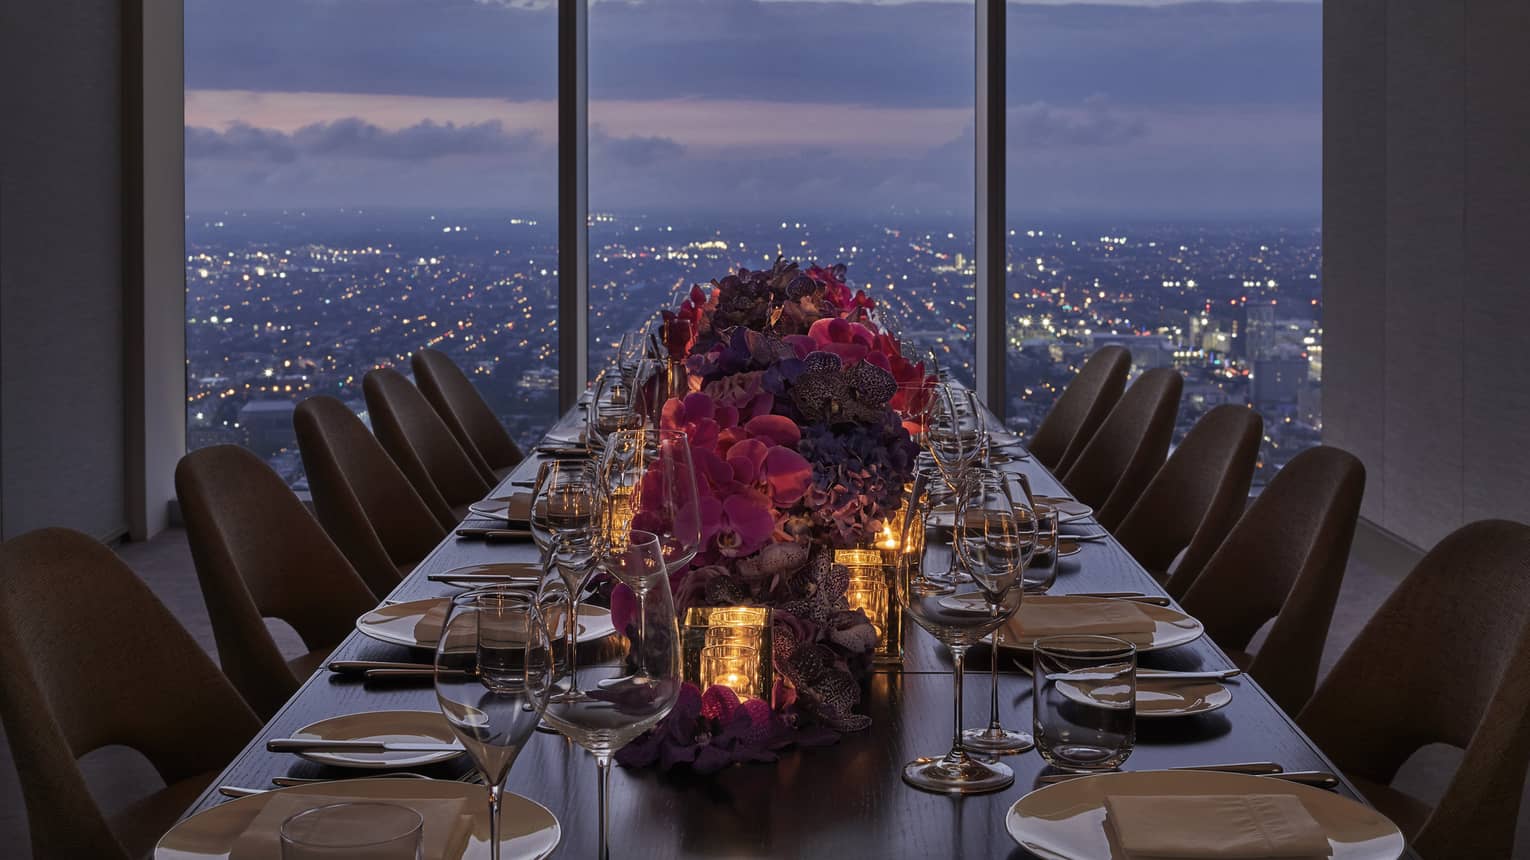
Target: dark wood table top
847,800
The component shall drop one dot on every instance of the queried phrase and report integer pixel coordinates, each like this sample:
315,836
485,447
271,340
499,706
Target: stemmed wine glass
562,499
638,680
613,408
493,672
955,433
647,480
960,613
995,738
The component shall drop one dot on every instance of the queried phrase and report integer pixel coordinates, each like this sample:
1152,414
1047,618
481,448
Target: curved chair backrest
260,554
92,658
422,445
1078,413
1128,449
462,407
1443,661
367,506
1285,560
1198,495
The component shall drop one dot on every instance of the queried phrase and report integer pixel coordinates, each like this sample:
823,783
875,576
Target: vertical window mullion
990,203
573,199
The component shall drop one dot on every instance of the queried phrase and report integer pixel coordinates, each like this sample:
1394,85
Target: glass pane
364,179
1164,193
726,134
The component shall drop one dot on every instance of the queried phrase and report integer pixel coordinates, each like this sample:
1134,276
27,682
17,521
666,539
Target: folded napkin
443,836
427,631
1235,826
1039,616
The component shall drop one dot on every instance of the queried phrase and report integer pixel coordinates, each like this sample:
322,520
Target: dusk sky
781,109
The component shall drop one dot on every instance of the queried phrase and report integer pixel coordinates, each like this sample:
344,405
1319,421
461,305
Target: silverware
289,781
1085,538
1134,596
493,535
1253,768
563,452
302,745
358,666
426,674
1171,675
490,578
1314,778
239,791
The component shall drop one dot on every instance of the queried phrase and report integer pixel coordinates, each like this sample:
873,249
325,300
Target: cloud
352,137
633,151
1092,123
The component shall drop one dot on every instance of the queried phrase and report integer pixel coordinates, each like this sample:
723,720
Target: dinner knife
494,535
1134,596
400,674
484,578
1253,768
239,791
1171,675
302,745
358,666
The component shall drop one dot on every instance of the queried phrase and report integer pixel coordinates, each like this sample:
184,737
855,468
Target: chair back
367,506
1078,413
1198,495
1443,661
1285,560
259,554
1128,449
457,400
422,445
91,658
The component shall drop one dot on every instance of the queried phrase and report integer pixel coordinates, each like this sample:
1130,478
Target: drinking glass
353,831
656,381
995,738
647,480
632,348
961,613
562,499
1085,701
572,559
613,408
493,674
955,433
1041,571
635,683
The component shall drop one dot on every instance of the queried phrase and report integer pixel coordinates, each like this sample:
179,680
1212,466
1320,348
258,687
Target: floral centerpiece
794,430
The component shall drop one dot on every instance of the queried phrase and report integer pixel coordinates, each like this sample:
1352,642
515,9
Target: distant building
267,425
1278,381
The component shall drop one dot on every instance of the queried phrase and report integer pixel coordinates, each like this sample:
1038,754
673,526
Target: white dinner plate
514,508
400,727
417,623
1160,698
1170,626
1067,509
1066,821
528,830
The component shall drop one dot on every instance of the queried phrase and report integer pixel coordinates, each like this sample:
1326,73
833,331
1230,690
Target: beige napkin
443,836
1238,826
1040,617
428,629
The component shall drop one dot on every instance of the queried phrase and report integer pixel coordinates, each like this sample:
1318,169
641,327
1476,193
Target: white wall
1426,209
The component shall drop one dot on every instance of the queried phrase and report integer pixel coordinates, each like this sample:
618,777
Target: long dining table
846,800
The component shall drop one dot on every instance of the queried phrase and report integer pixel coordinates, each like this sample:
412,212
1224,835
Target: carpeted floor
118,775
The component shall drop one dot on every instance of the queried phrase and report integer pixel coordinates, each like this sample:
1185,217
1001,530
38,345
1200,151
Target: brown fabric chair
369,508
92,659
1198,495
1442,661
260,554
1284,560
422,446
1078,413
1128,449
470,419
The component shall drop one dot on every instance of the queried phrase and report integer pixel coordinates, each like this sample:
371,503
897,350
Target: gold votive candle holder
873,589
733,666
709,629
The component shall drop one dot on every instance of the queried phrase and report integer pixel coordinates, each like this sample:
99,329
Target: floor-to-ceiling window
365,178
725,134
1164,194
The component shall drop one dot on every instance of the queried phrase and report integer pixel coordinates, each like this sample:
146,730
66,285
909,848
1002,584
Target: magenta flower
745,524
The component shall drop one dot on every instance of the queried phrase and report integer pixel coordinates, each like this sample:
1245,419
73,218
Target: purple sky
1195,110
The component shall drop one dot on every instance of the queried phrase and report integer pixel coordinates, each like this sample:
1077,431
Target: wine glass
656,381
493,671
613,408
955,434
960,613
647,480
995,738
636,682
562,499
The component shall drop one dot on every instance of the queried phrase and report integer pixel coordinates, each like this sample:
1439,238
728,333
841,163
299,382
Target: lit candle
731,666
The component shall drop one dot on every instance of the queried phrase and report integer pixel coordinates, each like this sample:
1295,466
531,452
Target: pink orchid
744,524
781,473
